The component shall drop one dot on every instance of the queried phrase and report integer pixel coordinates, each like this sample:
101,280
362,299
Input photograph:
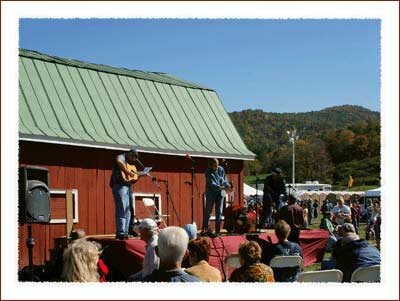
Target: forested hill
329,142
264,131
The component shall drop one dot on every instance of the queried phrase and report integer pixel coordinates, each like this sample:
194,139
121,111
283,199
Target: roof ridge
160,77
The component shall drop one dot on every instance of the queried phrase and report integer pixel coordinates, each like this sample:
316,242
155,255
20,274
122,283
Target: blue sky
273,65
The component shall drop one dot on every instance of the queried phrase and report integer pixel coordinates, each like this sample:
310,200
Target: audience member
172,246
377,225
327,224
355,215
370,230
341,211
284,247
101,266
148,231
251,270
310,211
305,215
326,207
191,230
199,253
354,253
80,262
293,215
315,205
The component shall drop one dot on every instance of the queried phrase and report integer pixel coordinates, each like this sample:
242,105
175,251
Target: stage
125,257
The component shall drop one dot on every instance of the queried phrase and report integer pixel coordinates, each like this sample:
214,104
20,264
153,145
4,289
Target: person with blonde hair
251,270
341,211
80,262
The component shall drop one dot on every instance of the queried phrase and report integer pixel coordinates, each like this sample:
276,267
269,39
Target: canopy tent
373,193
250,191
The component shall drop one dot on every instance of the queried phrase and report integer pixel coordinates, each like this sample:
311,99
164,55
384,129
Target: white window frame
148,195
75,203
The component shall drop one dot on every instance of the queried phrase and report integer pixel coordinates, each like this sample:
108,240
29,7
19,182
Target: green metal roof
71,102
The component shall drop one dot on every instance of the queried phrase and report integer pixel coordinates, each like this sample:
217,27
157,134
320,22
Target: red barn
74,117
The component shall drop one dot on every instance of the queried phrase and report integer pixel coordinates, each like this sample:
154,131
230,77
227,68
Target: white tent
250,191
373,193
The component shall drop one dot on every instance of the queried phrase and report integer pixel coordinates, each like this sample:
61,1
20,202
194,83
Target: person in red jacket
102,269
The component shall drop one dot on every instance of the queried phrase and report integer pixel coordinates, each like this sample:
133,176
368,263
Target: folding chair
321,276
286,267
368,274
231,261
148,202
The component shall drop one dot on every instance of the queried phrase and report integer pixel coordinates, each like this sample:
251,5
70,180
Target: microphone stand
169,198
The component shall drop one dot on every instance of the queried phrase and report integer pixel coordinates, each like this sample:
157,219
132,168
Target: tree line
333,144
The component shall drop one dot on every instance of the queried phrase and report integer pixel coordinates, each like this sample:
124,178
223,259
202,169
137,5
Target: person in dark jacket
293,215
315,205
354,253
274,187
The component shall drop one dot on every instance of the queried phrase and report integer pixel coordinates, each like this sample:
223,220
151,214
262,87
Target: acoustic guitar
131,168
137,174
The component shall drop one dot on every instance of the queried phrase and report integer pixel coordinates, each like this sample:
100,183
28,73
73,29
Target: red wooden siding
89,170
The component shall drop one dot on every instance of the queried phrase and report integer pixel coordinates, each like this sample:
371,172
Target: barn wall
89,170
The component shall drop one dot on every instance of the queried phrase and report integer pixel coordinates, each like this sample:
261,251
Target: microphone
190,158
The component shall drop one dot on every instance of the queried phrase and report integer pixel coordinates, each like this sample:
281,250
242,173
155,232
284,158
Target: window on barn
58,205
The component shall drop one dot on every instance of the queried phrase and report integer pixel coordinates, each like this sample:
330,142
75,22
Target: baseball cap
276,170
133,152
147,224
191,230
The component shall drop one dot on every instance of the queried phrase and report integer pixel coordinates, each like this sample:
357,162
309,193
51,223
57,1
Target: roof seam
150,76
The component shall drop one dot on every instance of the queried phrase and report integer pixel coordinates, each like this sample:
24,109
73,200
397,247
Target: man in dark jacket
354,253
274,186
292,213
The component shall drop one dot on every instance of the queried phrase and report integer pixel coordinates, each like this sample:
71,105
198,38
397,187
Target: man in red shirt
292,213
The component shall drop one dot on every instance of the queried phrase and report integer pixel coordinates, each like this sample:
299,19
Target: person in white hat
148,230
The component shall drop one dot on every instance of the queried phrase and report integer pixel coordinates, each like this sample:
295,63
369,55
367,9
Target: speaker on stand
34,202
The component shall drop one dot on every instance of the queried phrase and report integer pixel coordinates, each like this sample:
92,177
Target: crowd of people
175,254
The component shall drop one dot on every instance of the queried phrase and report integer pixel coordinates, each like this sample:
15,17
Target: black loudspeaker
34,195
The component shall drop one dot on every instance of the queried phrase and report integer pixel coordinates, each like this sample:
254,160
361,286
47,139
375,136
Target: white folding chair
286,261
368,274
284,267
148,202
321,276
231,261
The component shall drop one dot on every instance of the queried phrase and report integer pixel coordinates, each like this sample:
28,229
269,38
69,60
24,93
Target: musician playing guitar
124,175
